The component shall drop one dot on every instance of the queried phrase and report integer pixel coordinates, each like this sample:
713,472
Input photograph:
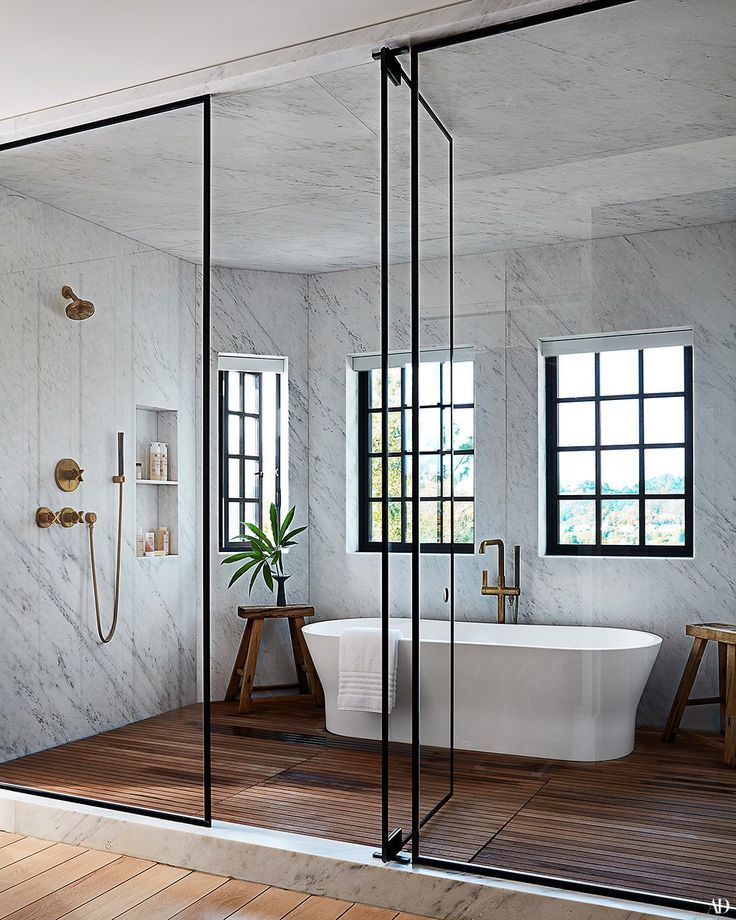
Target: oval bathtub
558,692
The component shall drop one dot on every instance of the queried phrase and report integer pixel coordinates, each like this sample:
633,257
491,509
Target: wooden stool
725,635
244,669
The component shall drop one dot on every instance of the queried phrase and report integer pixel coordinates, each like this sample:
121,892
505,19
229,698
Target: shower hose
106,637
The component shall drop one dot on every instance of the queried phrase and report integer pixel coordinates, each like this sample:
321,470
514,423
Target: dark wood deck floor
662,819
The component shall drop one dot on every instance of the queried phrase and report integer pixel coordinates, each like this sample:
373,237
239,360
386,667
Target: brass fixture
78,308
45,517
501,590
68,474
68,517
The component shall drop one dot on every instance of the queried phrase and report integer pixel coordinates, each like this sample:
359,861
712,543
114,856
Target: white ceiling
613,122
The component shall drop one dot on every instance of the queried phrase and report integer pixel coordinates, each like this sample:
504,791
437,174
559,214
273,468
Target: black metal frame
366,500
204,101
226,495
553,450
389,68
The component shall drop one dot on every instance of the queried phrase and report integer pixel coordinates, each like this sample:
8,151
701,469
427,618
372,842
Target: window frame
226,544
553,546
365,455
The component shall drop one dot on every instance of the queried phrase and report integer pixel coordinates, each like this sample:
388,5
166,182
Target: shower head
77,309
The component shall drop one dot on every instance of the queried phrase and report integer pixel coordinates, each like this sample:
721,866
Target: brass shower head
77,309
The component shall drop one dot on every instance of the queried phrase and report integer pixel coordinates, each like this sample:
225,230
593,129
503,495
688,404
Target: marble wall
65,390
505,301
261,313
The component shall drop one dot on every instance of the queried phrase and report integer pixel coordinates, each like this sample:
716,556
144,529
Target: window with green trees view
446,456
619,447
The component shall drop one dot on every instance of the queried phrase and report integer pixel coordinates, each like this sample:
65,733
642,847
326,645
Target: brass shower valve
67,517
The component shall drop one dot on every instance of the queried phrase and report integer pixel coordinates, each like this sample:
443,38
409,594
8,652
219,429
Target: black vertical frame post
415,544
206,447
386,853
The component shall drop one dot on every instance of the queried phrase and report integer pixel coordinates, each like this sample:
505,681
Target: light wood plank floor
40,880
662,819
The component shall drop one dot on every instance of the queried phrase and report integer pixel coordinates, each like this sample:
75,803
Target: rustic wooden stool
725,635
244,669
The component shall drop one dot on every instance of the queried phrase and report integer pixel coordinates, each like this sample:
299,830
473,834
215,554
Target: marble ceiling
618,121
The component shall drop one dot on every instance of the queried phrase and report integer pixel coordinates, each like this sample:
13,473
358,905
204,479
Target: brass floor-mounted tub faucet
501,590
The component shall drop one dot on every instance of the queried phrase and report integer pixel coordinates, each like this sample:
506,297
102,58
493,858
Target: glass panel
620,421
619,522
429,383
462,421
577,521
407,474
270,421
252,479
376,521
375,432
394,522
665,521
576,424
250,440
234,445
394,477
575,375
233,476
375,388
376,465
619,372
429,475
576,472
664,470
429,429
233,391
429,522
235,518
394,386
464,485
664,370
462,382
250,393
394,431
664,420
464,522
619,471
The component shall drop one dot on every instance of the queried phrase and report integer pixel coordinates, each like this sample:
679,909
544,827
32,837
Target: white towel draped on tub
359,682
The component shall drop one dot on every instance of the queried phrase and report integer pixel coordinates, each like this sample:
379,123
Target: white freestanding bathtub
558,692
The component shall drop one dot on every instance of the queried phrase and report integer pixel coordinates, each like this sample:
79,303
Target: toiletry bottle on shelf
139,470
149,543
162,541
155,461
164,461
140,542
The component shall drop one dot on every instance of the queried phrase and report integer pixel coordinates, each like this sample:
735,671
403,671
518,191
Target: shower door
418,355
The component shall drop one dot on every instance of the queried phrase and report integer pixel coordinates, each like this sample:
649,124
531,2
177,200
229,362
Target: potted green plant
266,554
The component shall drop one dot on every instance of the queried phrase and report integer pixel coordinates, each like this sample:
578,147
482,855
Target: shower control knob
68,517
90,518
45,517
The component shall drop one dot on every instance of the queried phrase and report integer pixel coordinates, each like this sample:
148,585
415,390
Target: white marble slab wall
66,388
504,302
261,313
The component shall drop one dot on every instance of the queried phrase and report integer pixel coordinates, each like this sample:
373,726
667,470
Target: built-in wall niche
157,500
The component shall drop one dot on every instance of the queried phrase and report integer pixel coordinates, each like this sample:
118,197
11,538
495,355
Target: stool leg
296,647
722,682
232,687
318,693
683,691
730,748
249,669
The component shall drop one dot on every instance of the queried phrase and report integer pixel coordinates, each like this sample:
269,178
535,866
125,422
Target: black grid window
620,452
446,458
243,498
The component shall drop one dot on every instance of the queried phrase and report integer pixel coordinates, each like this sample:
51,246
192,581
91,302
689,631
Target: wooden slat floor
40,880
661,820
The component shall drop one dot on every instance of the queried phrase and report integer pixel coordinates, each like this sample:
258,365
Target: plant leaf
255,575
241,571
260,535
294,533
274,515
287,520
267,577
237,557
